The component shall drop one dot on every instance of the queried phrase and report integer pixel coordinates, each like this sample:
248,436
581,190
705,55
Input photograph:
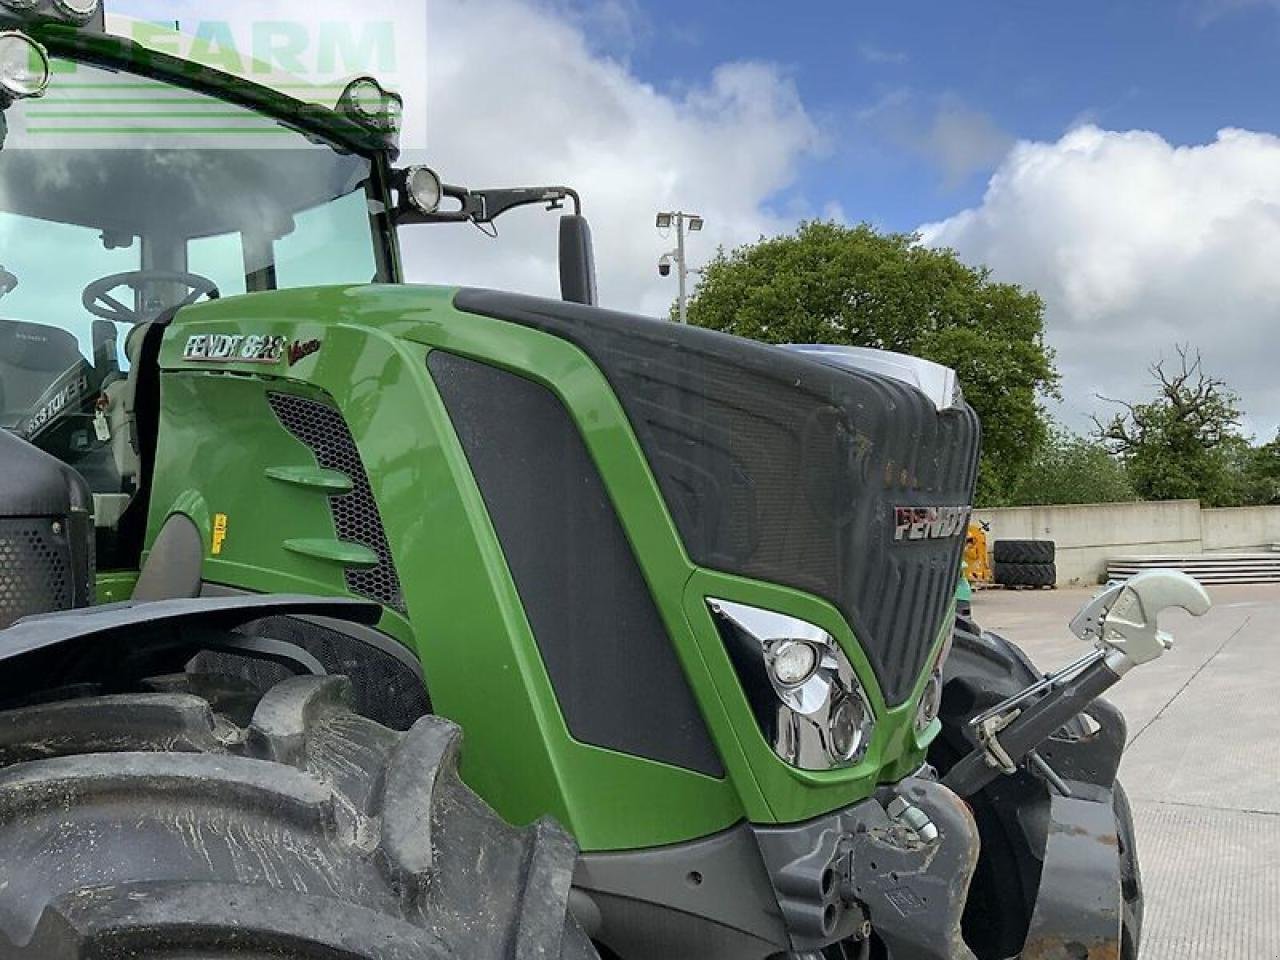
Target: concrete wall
1088,535
1240,529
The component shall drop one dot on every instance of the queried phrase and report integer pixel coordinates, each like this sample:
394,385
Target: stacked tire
1026,563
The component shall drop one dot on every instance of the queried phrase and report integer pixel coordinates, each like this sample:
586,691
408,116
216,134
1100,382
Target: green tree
1070,468
1259,472
1183,444
828,283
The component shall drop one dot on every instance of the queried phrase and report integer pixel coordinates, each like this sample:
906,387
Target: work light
423,190
24,67
366,102
804,692
81,13
78,11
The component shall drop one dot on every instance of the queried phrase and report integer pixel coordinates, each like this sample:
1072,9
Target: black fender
116,645
1051,868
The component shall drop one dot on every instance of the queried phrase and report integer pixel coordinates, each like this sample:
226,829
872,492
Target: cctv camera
664,268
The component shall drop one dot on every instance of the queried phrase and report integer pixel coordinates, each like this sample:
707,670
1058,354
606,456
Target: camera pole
680,221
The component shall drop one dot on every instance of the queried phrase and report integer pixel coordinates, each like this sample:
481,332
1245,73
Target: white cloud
1136,244
534,105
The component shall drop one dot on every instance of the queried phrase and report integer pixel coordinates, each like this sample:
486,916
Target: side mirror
577,261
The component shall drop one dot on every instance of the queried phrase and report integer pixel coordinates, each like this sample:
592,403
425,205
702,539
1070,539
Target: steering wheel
98,300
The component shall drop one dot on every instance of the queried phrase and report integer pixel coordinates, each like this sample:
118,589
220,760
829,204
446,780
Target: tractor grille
324,432
35,569
777,467
386,689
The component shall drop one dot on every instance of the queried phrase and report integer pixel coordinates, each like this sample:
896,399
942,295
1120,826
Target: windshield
122,197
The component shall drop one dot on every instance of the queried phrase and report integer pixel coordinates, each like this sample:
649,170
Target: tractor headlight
792,662
802,688
24,67
930,704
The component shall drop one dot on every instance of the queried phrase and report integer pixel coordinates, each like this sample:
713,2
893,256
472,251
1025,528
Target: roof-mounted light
423,189
24,67
77,11
365,101
80,13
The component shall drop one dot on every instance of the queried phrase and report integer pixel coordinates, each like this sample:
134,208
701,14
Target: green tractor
277,530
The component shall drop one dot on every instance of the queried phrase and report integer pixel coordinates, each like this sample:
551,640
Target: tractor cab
127,192
134,183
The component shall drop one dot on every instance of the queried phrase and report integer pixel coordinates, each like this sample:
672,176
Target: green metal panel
115,587
223,452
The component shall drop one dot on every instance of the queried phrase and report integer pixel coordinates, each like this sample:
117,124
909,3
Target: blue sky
878,76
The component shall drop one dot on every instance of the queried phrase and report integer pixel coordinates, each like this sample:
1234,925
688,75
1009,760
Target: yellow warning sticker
219,533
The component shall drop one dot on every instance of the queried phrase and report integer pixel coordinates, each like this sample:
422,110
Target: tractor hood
825,472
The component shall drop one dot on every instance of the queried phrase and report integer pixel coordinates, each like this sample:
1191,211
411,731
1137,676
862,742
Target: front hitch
912,873
899,863
1121,623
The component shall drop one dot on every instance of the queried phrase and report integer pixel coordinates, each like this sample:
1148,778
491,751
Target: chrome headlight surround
819,721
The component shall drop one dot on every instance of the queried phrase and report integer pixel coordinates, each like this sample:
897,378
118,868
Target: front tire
152,826
1132,903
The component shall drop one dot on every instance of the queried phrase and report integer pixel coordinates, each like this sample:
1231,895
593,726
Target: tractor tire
152,826
1132,904
1026,574
1024,551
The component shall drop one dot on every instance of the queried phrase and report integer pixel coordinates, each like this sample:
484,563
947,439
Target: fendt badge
930,523
234,348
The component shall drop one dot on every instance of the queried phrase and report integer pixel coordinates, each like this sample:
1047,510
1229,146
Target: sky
1118,157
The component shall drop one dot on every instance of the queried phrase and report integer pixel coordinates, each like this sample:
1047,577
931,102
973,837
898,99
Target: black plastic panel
609,656
780,468
46,533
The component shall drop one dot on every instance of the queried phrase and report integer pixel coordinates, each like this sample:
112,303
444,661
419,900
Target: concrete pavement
1202,768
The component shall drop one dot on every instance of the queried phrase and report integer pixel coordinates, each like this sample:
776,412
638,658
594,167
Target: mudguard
111,645
1057,876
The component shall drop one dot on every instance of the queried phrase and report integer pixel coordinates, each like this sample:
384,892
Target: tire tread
129,823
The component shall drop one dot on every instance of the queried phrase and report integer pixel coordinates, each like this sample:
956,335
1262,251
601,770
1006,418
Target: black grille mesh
386,690
322,429
778,467
35,569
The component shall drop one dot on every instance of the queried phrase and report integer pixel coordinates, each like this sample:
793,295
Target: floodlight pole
684,272
681,220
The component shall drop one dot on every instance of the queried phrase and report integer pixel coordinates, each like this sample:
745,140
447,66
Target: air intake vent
35,570
323,431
